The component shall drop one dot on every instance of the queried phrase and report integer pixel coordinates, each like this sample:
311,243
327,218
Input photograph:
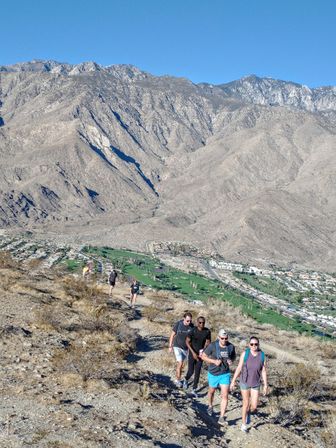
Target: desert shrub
78,289
302,379
328,350
47,319
91,362
152,313
290,402
33,264
7,261
325,437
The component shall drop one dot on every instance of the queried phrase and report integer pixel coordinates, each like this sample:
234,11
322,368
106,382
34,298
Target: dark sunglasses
188,320
201,322
254,344
224,339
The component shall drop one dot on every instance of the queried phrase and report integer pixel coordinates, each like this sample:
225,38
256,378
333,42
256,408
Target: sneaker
178,383
210,411
194,393
248,418
222,421
244,428
185,384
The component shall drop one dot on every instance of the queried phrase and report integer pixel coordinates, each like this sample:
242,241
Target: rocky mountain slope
82,369
118,156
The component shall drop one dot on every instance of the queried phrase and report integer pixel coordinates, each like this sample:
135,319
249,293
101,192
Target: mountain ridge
162,158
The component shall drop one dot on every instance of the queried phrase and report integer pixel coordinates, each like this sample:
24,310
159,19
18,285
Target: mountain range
117,156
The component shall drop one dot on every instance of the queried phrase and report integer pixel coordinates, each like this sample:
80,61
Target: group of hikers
193,344
111,280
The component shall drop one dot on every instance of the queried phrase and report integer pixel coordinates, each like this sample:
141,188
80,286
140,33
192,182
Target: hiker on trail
135,287
86,272
198,339
177,343
112,280
251,368
219,355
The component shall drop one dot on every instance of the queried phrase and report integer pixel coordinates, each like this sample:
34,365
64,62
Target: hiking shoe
248,418
194,393
185,384
178,383
244,428
210,411
222,421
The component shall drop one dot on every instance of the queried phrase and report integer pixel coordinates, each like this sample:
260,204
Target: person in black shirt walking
197,340
177,344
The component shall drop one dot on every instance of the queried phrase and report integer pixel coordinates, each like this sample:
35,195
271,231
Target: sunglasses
254,344
201,322
188,320
224,339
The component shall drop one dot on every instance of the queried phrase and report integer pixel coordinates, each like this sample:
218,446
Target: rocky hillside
80,369
245,169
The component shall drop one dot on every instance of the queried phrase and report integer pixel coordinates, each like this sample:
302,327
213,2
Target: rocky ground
82,369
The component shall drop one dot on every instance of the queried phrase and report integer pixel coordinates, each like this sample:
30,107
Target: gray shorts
180,354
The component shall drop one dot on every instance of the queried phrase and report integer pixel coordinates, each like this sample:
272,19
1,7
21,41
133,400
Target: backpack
247,352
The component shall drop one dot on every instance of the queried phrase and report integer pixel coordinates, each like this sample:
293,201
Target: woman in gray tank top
251,368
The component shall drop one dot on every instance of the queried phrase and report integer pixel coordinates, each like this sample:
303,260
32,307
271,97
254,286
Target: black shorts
112,283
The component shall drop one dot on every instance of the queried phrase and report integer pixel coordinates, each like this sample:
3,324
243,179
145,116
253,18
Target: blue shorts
219,380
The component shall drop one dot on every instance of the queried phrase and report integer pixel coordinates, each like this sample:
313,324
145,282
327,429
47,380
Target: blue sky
204,40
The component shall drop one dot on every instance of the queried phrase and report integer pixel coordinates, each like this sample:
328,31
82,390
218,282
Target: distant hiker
219,355
177,343
99,267
251,368
198,339
135,287
112,278
90,265
86,272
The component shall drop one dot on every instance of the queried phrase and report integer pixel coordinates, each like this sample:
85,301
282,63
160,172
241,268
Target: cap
222,333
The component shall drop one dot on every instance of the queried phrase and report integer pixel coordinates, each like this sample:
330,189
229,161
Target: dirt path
154,356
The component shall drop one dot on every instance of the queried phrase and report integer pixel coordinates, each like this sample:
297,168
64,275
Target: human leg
254,398
224,398
191,366
198,367
246,394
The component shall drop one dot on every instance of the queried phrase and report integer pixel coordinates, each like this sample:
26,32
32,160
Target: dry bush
7,261
91,362
78,289
48,319
328,350
300,378
290,403
33,264
153,314
326,436
7,281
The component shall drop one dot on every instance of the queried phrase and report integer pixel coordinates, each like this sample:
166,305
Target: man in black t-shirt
177,343
197,340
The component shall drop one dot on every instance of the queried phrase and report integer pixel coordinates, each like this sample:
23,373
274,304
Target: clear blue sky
204,40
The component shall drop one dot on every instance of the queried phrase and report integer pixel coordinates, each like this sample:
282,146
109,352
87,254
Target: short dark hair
187,314
200,317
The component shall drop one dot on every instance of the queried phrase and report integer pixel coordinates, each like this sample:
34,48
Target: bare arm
238,370
188,340
264,377
171,339
216,362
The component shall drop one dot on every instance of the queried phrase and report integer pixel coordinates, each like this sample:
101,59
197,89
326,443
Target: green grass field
149,271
